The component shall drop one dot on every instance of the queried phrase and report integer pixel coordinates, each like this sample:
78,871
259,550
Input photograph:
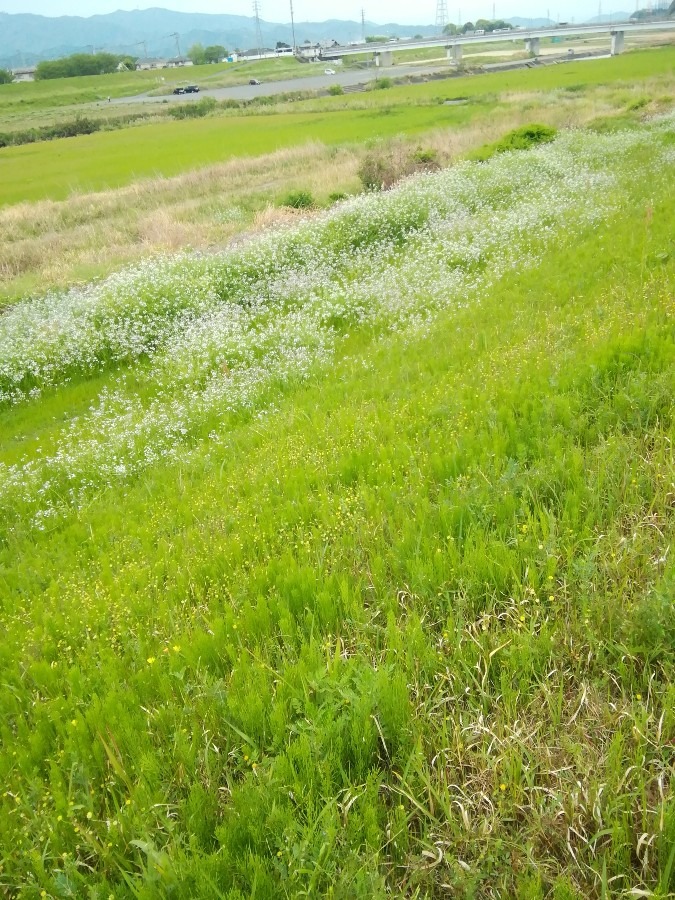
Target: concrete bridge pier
617,42
532,45
384,58
455,54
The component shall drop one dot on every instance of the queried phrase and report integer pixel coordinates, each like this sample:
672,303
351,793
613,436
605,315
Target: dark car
192,89
179,90
254,81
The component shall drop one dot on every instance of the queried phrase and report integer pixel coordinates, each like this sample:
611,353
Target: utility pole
293,25
258,33
441,15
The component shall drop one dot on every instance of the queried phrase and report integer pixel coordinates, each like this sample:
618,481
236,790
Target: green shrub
335,90
425,156
298,200
194,110
382,84
522,138
386,164
72,128
336,196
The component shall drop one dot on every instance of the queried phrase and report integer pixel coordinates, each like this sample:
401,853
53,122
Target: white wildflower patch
217,333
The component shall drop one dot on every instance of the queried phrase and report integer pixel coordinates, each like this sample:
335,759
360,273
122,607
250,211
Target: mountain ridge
28,38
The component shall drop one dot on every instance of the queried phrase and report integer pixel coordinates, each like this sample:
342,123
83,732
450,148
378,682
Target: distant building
310,51
27,74
178,62
263,53
143,65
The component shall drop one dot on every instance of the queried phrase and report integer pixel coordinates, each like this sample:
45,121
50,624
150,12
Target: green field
111,159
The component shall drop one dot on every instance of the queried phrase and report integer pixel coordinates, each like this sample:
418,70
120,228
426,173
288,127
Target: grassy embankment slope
339,565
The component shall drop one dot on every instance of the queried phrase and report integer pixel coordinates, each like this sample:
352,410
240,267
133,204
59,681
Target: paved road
316,81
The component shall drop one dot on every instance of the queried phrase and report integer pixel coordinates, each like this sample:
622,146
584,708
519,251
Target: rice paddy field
337,561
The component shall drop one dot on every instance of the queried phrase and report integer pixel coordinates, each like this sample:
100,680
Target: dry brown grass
56,243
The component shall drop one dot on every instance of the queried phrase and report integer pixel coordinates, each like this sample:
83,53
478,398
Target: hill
28,38
608,18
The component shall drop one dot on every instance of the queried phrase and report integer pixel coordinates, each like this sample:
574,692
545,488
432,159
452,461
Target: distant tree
468,26
197,54
420,37
214,53
282,46
6,77
450,29
376,38
488,25
77,64
129,62
671,9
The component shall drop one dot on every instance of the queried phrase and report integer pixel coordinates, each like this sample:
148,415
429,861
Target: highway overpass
453,44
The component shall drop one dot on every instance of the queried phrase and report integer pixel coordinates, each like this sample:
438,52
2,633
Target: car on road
192,89
329,71
179,90
254,81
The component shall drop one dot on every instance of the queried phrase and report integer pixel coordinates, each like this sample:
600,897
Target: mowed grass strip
61,92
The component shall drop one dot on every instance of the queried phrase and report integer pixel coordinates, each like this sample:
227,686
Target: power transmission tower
258,33
363,25
175,35
441,14
293,25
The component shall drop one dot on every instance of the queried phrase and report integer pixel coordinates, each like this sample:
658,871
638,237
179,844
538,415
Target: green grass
408,634
109,159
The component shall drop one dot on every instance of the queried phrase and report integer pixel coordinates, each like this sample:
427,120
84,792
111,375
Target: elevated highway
453,44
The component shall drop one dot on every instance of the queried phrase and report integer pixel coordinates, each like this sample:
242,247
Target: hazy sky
403,11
